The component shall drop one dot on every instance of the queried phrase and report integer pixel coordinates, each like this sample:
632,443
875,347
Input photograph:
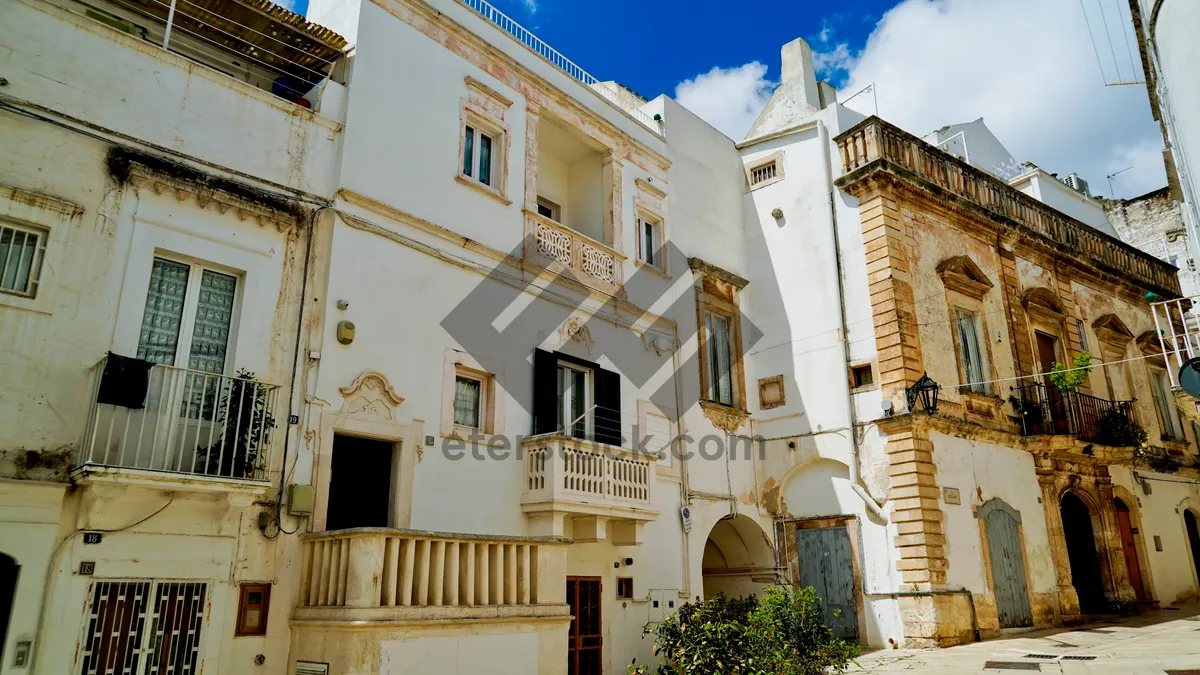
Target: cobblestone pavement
1153,644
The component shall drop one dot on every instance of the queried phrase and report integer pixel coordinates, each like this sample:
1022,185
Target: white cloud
1026,66
530,5
727,98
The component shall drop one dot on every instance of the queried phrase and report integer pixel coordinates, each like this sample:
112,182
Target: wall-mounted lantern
924,391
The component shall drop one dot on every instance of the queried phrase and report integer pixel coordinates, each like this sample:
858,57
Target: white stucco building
532,361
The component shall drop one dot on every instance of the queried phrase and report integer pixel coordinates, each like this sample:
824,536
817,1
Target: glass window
20,259
1083,343
467,398
477,155
574,399
172,315
547,209
1165,401
973,354
720,361
648,232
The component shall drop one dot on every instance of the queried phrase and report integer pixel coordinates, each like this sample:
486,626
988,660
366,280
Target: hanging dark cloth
124,382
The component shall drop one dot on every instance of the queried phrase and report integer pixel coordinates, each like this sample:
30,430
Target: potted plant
1070,379
247,423
1116,427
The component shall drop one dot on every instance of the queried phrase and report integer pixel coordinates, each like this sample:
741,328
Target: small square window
862,376
253,605
468,401
624,588
765,171
21,252
650,241
548,209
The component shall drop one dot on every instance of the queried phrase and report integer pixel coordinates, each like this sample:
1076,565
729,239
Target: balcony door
1047,349
584,642
360,483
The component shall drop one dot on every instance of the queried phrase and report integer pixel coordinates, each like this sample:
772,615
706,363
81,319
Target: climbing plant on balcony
245,422
1070,379
781,632
1115,426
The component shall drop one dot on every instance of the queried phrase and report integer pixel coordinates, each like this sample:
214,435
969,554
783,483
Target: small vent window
762,174
624,587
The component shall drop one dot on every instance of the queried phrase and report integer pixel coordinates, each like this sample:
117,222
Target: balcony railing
586,256
1046,410
539,47
875,141
389,574
190,422
573,477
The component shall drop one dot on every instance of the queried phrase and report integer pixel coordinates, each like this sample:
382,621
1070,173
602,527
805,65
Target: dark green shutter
545,392
608,407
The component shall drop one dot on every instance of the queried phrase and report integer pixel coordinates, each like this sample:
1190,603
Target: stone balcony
874,146
566,251
593,485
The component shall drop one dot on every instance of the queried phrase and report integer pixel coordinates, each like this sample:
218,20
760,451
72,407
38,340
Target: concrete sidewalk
1160,642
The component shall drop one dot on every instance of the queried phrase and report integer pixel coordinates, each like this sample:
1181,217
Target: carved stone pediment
724,417
961,274
1111,330
371,396
1041,302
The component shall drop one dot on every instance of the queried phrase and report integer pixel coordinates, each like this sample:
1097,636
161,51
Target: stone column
1110,548
1068,599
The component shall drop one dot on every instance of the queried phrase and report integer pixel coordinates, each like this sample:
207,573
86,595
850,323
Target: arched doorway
738,558
8,591
1193,535
1129,547
1006,553
1081,550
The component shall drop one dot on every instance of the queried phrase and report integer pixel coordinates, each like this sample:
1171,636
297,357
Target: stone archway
738,558
1082,551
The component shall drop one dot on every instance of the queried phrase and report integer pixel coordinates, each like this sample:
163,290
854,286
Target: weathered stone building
1154,223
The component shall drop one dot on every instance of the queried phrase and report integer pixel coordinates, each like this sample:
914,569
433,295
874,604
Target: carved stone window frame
717,292
1112,341
1045,314
775,158
54,219
966,286
484,108
491,395
650,204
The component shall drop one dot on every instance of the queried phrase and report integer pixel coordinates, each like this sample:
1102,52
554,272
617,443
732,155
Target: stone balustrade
876,145
370,574
595,263
590,483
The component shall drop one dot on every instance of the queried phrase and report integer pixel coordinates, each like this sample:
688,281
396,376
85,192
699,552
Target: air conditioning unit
1077,183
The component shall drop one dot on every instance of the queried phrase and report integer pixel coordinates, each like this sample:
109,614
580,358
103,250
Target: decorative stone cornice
700,267
204,197
961,274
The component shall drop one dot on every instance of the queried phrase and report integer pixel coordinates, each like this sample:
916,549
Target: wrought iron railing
189,422
874,140
539,47
1047,410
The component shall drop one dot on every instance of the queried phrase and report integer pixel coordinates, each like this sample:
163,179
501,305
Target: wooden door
585,637
1008,566
1129,546
826,564
360,483
1047,348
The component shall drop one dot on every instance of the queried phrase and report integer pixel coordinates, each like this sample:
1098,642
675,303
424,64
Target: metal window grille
143,628
764,173
21,252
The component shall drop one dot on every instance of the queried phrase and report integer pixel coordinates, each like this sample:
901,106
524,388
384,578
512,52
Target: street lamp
926,391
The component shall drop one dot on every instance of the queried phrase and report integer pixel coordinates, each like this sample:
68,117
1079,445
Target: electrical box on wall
300,500
663,603
345,332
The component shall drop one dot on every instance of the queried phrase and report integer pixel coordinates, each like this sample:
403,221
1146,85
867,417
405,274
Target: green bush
1069,379
783,632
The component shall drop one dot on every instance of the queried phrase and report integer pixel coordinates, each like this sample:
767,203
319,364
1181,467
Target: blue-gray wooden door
827,565
1008,568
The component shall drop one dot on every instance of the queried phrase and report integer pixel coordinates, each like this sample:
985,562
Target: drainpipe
856,481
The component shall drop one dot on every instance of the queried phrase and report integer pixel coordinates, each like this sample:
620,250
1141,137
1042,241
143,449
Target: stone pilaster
1018,327
1113,554
1068,599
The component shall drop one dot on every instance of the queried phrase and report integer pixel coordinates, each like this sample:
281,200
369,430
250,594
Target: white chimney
797,60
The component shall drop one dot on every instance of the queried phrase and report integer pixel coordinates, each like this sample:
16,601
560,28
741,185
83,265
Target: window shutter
545,392
608,407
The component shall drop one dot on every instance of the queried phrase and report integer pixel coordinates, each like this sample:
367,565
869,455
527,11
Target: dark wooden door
1193,532
1129,546
1047,348
826,564
360,483
585,638
9,570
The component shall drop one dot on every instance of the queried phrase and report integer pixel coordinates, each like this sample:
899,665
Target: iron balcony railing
1047,410
191,422
539,47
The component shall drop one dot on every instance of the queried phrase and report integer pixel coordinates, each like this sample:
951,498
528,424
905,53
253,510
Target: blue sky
652,46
